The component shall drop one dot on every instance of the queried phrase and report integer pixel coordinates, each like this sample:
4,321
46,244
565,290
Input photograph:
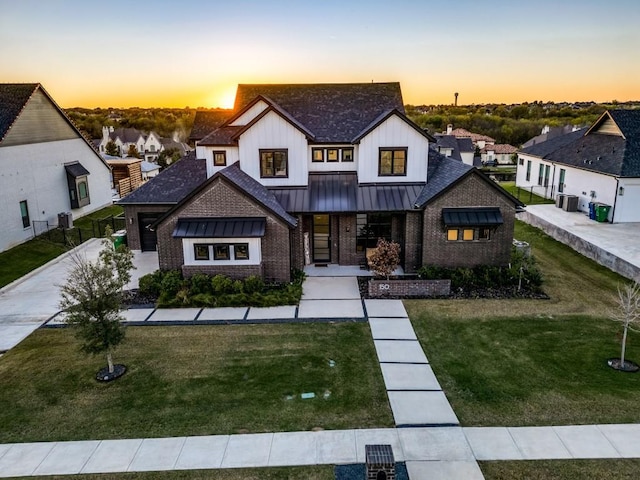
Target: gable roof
205,121
475,137
334,112
543,149
499,148
13,98
380,119
172,184
126,135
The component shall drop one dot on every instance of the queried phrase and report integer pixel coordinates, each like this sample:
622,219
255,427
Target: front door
321,239
148,238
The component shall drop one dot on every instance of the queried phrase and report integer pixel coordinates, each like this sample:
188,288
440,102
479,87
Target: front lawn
20,260
526,196
194,380
610,469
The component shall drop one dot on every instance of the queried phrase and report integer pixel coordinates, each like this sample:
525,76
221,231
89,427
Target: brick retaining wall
409,288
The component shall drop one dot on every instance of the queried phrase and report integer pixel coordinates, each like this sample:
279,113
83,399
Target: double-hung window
392,162
273,163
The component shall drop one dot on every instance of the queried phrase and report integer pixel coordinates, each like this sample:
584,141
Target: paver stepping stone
293,448
421,408
436,443
202,452
330,309
409,376
223,313
157,454
248,450
330,288
266,313
137,314
385,308
537,443
444,470
586,441
492,443
174,315
23,458
392,329
336,447
380,436
112,456
400,351
67,458
624,438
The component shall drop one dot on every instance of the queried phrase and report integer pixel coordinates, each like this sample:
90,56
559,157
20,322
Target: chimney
105,133
449,129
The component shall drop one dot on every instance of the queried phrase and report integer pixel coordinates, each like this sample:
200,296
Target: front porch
335,270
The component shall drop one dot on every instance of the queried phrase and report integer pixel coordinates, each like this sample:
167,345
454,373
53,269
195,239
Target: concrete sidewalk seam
133,457
609,441
175,462
515,443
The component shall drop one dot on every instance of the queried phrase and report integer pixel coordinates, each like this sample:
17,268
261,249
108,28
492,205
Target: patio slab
137,314
112,456
625,438
409,376
157,454
537,443
400,351
379,436
248,451
174,315
67,458
586,441
293,448
492,443
330,309
266,313
392,329
223,313
336,447
330,288
23,458
385,308
421,408
444,470
437,443
202,452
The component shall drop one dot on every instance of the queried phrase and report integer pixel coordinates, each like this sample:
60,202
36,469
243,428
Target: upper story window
317,155
335,155
332,155
152,148
220,158
347,154
274,163
392,161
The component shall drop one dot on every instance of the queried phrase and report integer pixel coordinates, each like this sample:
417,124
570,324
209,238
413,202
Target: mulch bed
134,299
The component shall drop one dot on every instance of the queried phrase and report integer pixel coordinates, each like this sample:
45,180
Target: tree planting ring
103,374
629,366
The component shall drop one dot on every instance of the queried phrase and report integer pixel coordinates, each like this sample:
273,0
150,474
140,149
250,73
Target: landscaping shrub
253,284
171,284
200,283
222,284
151,283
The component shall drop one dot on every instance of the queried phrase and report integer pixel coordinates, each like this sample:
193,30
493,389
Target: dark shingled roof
441,174
172,184
207,121
543,149
126,135
333,112
449,141
221,136
466,145
13,98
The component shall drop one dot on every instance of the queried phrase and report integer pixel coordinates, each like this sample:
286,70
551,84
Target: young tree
167,157
385,258
628,314
133,152
92,297
112,149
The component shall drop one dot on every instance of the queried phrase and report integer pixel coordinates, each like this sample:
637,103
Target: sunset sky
193,53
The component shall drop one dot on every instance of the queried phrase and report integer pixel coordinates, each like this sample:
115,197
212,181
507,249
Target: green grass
316,472
194,380
618,469
534,362
20,260
524,195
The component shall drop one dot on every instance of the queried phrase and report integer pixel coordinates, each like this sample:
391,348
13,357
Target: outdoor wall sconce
130,220
621,191
348,229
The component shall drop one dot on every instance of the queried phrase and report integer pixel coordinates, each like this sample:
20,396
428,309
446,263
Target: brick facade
472,191
412,242
133,228
222,199
236,272
409,288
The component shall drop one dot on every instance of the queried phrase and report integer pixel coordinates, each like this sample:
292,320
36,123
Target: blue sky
124,53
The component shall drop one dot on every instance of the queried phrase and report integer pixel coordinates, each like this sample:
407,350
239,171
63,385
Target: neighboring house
168,144
461,149
317,173
479,141
147,145
206,121
549,133
497,154
46,166
149,170
600,164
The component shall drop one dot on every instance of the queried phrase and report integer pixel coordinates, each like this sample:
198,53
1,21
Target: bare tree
628,313
92,298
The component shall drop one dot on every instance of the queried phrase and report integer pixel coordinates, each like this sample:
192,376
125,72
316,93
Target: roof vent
599,158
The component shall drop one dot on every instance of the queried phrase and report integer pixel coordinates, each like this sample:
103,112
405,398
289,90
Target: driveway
30,301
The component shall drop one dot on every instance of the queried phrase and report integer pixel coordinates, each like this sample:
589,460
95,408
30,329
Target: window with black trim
241,251
347,154
528,170
273,163
219,158
370,227
221,251
540,174
468,234
521,161
24,211
332,155
201,251
317,155
392,162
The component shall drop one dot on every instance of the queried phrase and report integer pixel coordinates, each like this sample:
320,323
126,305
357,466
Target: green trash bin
602,212
119,238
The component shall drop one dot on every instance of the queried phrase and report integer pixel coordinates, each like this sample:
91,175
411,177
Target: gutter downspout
615,200
553,180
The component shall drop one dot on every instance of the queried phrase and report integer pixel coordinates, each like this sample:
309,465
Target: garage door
148,238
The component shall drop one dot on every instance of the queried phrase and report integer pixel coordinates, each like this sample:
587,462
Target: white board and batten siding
274,132
207,153
393,133
251,113
327,166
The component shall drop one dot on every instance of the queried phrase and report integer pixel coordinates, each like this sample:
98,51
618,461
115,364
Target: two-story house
46,166
148,145
317,173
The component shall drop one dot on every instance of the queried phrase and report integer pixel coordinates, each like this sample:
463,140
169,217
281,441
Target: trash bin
592,210
602,212
119,238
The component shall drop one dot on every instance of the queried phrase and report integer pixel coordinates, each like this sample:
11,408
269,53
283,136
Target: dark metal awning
478,217
219,227
76,170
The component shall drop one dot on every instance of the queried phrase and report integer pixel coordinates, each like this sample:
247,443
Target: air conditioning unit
65,220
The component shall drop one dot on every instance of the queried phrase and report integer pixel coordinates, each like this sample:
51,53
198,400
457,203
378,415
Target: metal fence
78,234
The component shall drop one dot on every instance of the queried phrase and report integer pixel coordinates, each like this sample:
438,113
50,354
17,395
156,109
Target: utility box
65,220
380,462
570,203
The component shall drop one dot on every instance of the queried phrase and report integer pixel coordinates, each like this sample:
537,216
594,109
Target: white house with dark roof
317,173
46,166
600,164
